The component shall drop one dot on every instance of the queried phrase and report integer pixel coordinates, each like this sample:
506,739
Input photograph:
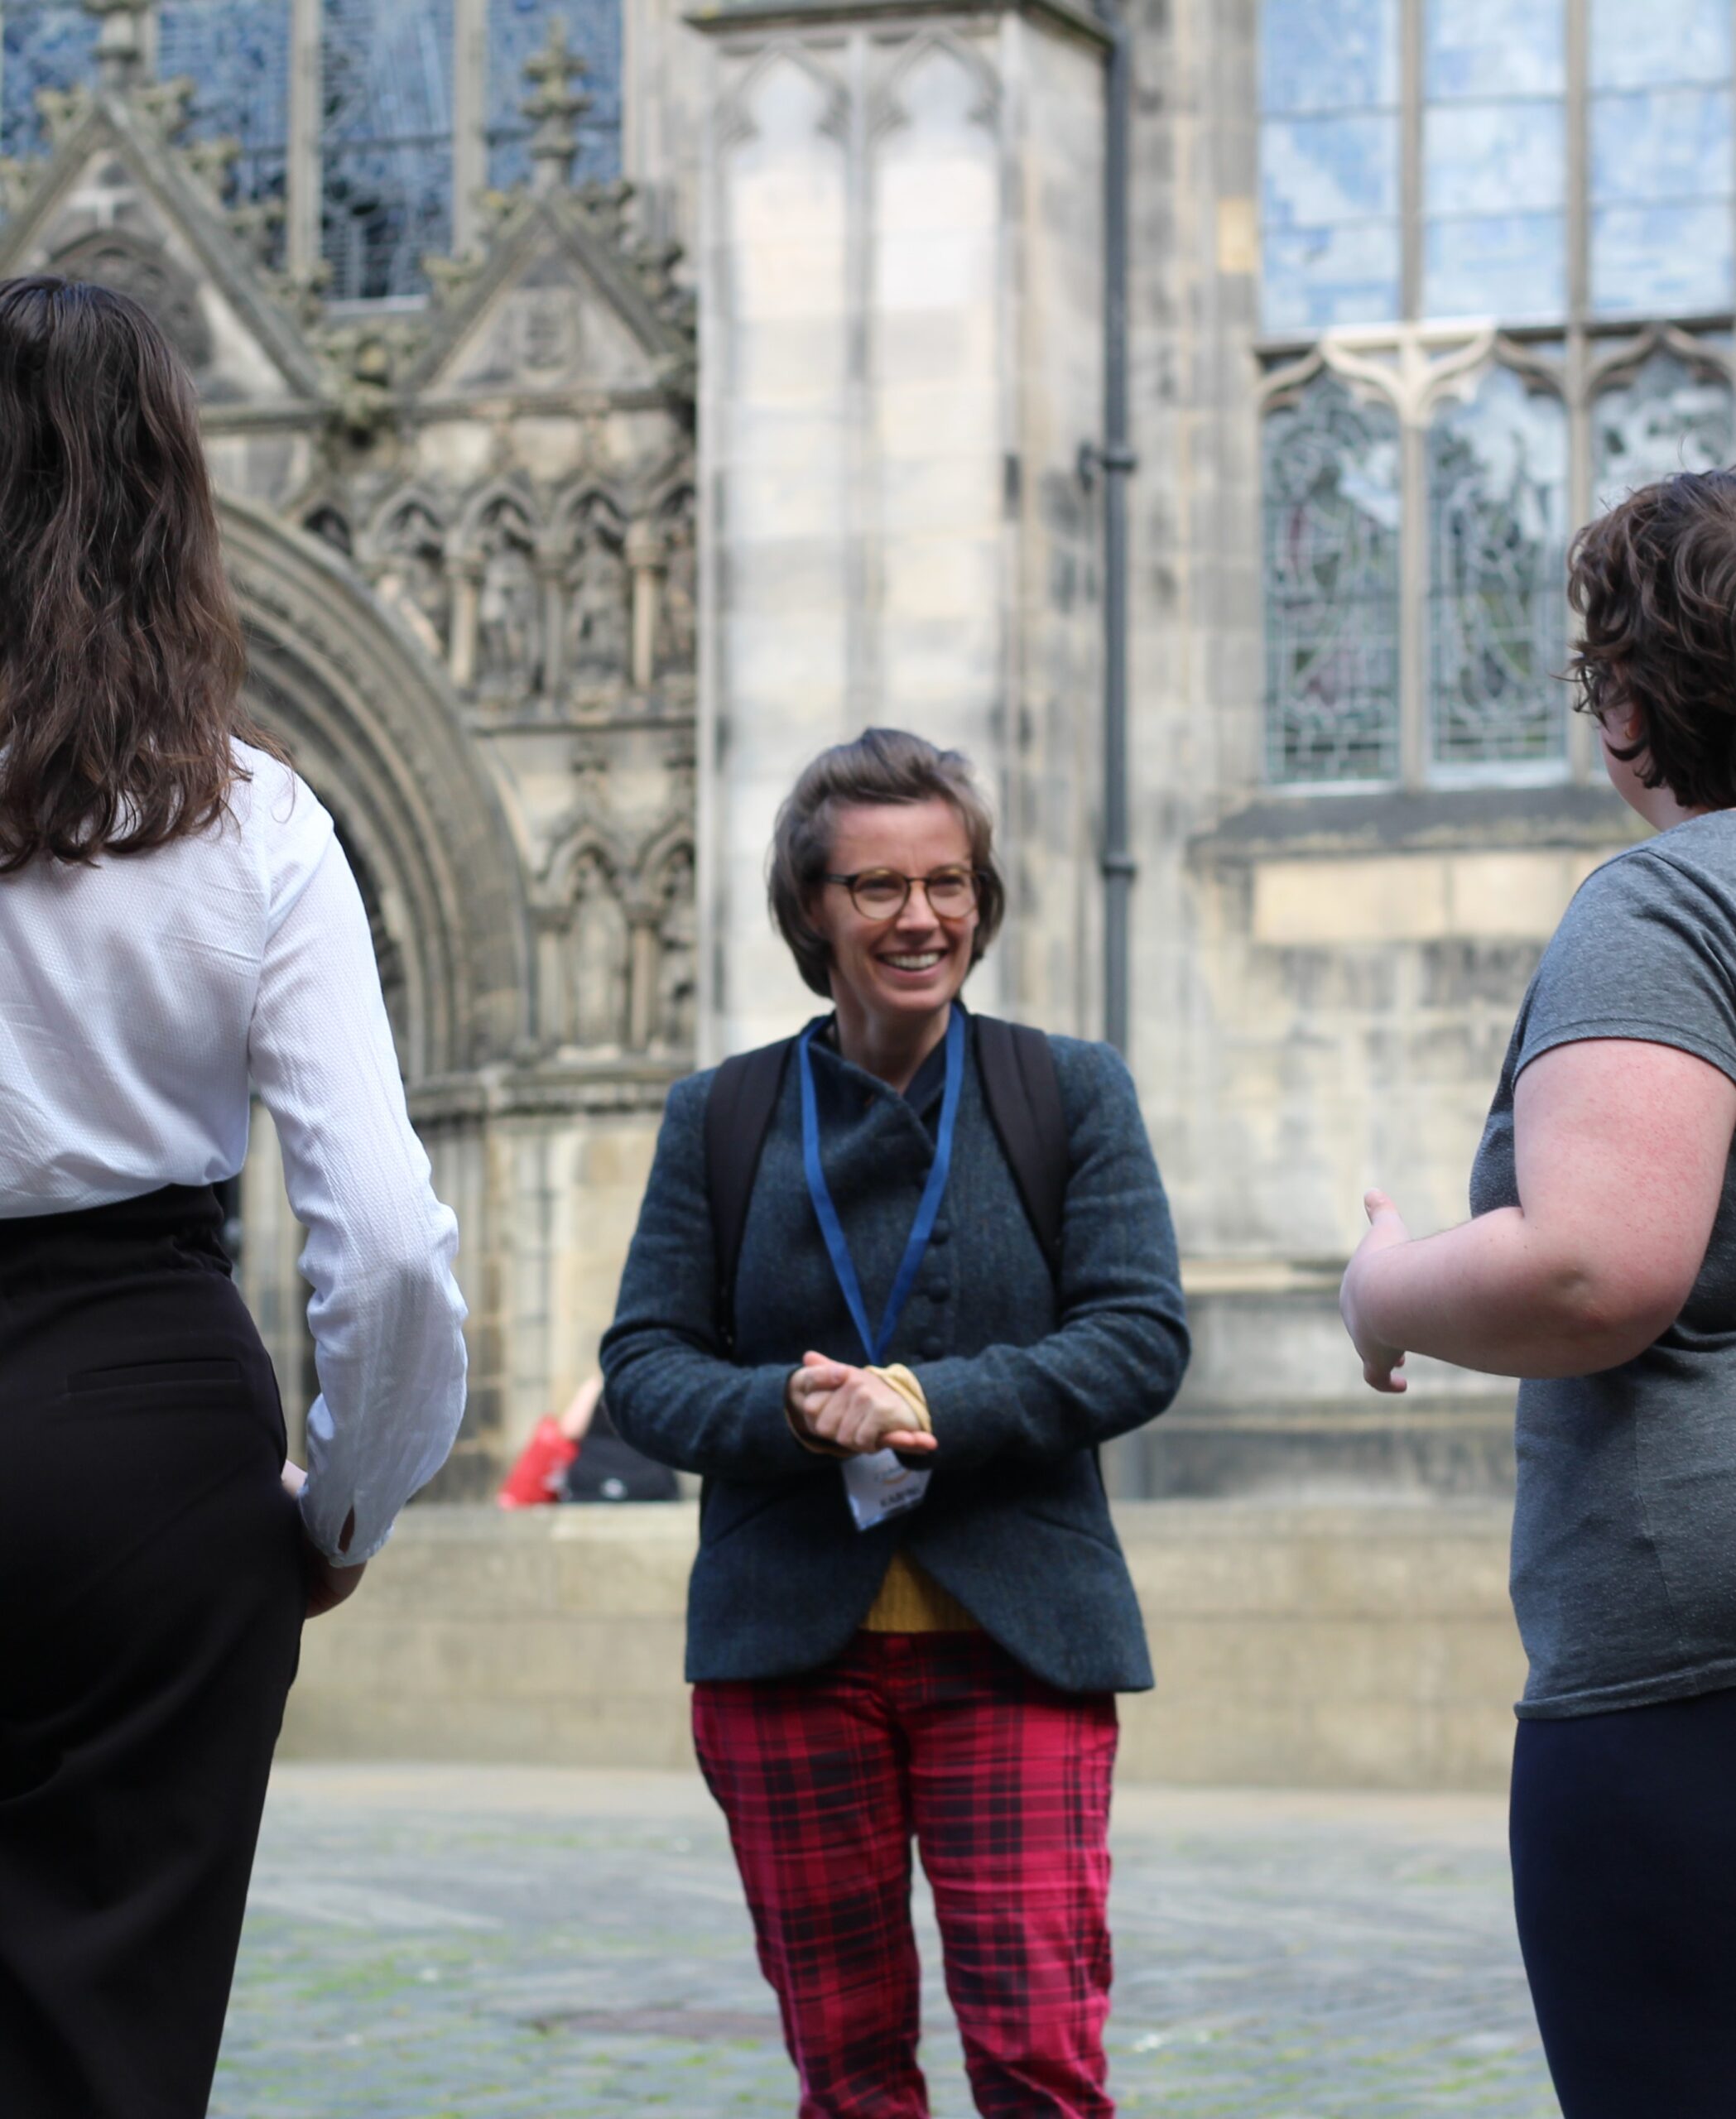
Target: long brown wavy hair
122,657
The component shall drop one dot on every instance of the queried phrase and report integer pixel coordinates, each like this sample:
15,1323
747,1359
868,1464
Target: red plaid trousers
1005,1784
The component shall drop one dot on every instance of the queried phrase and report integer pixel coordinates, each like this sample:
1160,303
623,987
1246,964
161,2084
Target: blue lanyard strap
875,1344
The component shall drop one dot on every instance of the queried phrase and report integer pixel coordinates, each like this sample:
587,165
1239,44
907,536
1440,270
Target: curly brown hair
883,765
1654,583
122,657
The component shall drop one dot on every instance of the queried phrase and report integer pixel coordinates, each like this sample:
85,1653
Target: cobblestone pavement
447,1942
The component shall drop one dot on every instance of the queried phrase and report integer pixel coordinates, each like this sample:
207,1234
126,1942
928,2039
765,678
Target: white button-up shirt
137,998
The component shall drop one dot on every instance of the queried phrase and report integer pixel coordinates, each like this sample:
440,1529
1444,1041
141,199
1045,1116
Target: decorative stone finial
120,48
553,107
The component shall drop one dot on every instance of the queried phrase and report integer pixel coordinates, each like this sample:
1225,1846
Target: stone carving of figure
599,609
508,616
414,577
678,605
678,956
599,958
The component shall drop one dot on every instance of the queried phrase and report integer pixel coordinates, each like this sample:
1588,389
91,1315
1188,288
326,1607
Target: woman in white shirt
176,917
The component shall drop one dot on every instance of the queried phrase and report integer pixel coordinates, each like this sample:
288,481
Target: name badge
879,1488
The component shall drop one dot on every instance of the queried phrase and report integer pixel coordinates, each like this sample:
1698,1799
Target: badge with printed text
879,1488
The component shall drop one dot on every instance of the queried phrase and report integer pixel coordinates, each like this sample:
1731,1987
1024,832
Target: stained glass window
1498,505
519,29
1664,419
236,53
42,45
1494,241
1332,511
1329,162
387,144
1662,156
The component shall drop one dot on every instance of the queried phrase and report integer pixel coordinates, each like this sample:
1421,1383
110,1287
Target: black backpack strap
739,1107
1023,1092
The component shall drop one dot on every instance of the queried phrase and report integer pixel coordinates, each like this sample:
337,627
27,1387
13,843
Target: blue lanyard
875,1344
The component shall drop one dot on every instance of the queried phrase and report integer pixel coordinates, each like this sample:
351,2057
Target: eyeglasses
883,893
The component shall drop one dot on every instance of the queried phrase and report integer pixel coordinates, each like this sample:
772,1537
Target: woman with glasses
909,1616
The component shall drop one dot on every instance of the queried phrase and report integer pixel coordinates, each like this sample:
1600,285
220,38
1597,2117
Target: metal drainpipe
1117,461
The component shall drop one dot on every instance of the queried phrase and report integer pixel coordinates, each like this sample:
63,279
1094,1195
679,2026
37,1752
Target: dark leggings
1623,1834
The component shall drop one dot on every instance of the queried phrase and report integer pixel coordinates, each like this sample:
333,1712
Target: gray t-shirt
1624,1535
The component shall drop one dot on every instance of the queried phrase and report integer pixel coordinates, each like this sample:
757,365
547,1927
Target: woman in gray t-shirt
1601,1268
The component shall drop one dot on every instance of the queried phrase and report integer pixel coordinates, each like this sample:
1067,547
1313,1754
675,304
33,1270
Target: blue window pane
1510,267
1497,508
1494,158
236,53
1329,210
1329,54
1666,41
387,135
517,31
1661,260
40,47
1315,277
1315,171
1330,516
1664,420
1480,48
1661,143
1661,188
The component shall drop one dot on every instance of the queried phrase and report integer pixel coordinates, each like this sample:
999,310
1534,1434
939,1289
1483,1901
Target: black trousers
1623,1835
150,1603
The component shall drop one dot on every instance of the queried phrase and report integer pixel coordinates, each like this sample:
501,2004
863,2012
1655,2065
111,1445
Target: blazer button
933,1347
940,1233
940,1292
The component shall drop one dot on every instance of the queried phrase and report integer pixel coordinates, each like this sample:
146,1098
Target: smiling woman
909,1612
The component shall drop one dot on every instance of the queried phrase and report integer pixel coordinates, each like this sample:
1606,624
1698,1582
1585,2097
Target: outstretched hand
1383,1364
853,1410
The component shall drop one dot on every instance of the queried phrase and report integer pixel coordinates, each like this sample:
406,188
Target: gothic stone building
593,451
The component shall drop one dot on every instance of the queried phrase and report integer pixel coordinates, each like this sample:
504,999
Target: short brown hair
121,657
1654,582
883,765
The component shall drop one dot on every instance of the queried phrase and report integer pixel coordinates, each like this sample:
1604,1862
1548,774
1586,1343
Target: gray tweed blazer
1023,1379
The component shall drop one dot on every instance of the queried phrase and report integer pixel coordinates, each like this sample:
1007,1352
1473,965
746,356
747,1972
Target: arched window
1497,508
1545,348
236,55
1331,564
385,162
1662,418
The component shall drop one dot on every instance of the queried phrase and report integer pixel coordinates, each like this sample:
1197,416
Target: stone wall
1326,1646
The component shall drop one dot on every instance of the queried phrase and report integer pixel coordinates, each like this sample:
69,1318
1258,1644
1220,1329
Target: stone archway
380,738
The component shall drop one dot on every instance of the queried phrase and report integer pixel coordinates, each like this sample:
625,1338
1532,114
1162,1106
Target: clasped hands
851,1410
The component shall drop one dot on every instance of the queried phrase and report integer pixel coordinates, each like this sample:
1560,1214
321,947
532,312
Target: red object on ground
539,1475
1005,1783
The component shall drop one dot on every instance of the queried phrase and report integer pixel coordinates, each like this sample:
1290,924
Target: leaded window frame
1413,372
1415,364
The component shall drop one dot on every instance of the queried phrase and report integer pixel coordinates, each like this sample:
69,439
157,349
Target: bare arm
1621,1149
